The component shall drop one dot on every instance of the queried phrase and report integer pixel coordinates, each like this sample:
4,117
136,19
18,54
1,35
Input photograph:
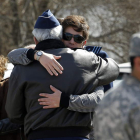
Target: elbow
16,120
114,70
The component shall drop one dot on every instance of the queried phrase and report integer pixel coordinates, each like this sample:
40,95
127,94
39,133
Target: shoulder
17,72
84,55
97,50
118,100
103,54
112,100
117,110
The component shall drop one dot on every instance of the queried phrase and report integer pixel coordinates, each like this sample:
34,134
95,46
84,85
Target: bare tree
111,22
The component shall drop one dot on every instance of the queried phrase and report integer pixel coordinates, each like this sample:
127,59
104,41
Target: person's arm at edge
15,104
6,126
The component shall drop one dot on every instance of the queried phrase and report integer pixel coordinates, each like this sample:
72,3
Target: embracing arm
24,56
19,56
79,103
86,102
107,70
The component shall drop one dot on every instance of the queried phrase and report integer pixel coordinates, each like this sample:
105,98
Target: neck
136,74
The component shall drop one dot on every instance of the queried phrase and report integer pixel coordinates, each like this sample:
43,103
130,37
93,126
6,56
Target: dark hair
78,23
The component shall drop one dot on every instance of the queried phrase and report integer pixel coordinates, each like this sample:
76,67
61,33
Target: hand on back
50,100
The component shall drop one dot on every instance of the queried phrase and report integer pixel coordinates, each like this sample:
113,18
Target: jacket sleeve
6,126
107,70
104,55
86,102
19,56
15,103
83,103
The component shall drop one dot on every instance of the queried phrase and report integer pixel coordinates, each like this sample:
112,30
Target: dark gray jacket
84,71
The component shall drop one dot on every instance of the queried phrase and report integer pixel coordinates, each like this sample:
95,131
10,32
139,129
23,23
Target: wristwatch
38,55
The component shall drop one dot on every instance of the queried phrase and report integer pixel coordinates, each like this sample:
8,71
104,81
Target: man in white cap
84,71
118,115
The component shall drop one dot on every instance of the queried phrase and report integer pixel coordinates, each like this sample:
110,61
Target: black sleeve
64,100
30,54
6,126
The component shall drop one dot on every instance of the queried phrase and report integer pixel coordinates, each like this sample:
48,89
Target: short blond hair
3,62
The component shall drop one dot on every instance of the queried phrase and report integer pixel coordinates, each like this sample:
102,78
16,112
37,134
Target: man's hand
49,62
50,100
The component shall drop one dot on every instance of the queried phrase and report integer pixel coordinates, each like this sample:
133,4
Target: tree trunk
15,23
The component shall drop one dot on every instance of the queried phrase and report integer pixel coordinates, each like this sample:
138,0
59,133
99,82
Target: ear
84,43
35,40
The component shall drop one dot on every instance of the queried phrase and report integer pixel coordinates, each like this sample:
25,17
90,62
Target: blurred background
112,22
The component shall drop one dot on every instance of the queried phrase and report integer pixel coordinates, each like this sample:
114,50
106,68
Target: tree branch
109,33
